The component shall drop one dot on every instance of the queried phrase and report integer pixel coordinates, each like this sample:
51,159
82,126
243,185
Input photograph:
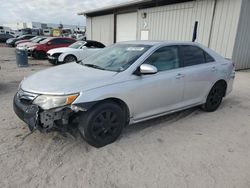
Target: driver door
159,93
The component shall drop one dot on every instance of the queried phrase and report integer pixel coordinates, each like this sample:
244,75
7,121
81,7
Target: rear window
193,55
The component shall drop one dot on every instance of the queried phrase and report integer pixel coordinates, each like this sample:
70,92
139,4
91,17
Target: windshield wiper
94,66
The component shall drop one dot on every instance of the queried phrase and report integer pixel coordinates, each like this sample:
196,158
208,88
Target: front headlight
47,102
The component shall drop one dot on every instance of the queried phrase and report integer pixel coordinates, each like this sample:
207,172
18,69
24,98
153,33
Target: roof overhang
129,7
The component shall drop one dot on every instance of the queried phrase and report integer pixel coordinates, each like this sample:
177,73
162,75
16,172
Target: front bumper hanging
27,113
43,120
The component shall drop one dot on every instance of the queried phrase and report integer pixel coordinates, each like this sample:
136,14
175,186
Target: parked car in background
33,42
28,40
39,51
11,41
74,53
47,32
101,92
4,37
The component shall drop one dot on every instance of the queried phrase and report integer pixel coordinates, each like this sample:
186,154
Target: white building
39,25
223,25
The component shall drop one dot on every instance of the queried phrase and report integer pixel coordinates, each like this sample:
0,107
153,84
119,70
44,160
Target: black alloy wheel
69,59
103,124
215,97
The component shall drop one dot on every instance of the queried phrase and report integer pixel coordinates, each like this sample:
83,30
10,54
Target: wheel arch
224,84
119,102
67,55
90,105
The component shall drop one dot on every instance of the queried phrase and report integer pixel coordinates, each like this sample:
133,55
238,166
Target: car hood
10,40
67,79
62,50
22,41
27,44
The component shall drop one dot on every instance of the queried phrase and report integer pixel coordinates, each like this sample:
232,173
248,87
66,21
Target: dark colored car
40,50
4,37
27,40
11,41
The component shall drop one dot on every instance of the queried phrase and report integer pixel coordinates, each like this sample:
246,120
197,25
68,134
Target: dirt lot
187,149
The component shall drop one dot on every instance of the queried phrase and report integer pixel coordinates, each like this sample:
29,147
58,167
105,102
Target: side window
208,58
192,55
67,41
55,41
90,45
165,58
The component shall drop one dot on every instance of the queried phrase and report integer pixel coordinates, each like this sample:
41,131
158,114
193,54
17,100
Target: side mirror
48,43
148,69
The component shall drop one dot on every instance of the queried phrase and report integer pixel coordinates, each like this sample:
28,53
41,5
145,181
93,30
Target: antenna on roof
195,31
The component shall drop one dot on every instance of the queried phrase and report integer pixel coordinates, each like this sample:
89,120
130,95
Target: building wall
176,22
224,27
217,19
89,28
101,28
241,54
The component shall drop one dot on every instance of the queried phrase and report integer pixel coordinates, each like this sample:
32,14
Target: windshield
76,45
21,37
38,39
34,38
116,58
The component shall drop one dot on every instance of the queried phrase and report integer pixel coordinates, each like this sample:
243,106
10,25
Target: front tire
69,59
214,97
102,124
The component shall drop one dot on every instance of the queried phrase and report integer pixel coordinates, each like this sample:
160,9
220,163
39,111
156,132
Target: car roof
60,38
92,41
29,35
158,42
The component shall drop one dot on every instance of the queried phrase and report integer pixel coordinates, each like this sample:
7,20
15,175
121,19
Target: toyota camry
123,84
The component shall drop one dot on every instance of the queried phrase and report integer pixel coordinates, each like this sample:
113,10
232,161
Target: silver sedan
122,84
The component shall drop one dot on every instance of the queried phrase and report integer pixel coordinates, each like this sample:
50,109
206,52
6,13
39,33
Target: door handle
179,76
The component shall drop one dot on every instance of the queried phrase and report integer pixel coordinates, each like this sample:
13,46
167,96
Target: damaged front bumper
43,120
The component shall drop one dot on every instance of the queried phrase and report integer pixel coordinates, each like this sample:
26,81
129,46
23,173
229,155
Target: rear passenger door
200,71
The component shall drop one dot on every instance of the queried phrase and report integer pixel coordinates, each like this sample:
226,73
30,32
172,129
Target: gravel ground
186,149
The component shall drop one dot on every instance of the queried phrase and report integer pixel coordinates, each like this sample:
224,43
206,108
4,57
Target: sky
50,11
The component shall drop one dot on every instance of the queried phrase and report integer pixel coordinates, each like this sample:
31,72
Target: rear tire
102,124
39,55
214,97
69,59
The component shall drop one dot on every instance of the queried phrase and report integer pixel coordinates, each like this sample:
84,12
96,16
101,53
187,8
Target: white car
74,53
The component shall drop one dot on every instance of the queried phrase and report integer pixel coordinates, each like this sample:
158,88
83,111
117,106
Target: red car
39,51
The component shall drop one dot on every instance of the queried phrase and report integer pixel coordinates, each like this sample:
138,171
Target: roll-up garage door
126,27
